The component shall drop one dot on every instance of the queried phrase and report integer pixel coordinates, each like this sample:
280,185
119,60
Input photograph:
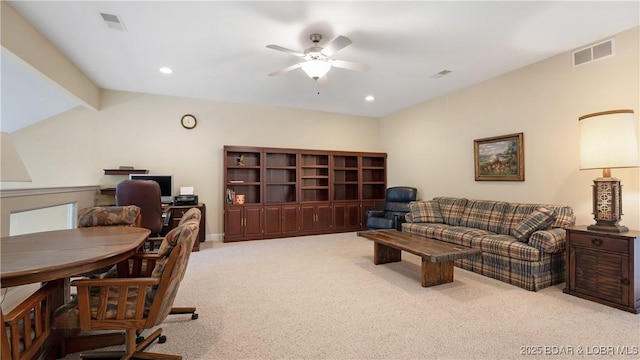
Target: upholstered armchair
108,216
143,265
136,303
396,205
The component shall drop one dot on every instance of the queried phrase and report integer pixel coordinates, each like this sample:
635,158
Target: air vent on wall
594,52
113,21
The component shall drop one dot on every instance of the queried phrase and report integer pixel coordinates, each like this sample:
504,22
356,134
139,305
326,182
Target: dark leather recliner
395,207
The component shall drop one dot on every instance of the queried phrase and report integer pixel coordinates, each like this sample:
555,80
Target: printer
186,200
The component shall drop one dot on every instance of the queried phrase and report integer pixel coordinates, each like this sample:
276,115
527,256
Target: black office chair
395,207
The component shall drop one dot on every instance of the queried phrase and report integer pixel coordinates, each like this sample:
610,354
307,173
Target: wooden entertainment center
273,192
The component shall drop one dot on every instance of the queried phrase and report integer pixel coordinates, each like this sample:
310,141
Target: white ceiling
217,49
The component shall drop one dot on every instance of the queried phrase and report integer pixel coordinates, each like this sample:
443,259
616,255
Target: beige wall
144,131
430,145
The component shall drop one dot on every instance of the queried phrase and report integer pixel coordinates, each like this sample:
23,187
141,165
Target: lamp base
608,228
607,204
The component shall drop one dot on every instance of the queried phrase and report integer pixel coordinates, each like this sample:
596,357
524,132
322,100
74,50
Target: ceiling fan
317,61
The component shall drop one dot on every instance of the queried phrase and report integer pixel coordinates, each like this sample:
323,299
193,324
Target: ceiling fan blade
335,45
350,65
288,51
292,67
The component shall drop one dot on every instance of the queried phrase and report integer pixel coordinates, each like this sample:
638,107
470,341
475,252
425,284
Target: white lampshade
608,140
316,68
12,167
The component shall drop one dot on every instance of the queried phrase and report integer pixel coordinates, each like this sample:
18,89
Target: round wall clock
189,121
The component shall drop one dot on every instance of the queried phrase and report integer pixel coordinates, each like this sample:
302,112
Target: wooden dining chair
132,304
108,216
27,326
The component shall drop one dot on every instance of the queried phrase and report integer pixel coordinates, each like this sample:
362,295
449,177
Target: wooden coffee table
437,256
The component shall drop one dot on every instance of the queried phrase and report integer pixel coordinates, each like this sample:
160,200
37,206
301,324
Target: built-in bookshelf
272,192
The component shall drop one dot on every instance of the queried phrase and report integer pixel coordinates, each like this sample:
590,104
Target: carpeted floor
321,297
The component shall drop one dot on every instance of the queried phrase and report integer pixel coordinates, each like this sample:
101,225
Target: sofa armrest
375,213
550,241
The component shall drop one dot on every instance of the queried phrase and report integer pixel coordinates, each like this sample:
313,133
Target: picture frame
499,158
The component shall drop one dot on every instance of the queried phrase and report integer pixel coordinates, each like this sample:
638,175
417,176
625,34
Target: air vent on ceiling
594,52
113,21
441,74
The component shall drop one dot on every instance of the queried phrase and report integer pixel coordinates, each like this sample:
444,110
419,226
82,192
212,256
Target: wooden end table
604,267
437,256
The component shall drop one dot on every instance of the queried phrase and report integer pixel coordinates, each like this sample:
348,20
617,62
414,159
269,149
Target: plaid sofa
522,244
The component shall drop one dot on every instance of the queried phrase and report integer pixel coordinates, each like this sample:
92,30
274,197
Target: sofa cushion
451,209
539,219
452,234
505,245
518,211
425,211
483,214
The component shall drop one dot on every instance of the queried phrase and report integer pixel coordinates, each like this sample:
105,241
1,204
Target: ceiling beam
28,45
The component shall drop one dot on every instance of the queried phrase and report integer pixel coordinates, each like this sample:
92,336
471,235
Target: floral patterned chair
135,303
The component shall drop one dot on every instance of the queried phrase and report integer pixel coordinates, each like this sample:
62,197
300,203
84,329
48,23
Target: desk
177,211
55,256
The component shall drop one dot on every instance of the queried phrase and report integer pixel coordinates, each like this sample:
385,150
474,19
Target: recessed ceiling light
369,98
165,70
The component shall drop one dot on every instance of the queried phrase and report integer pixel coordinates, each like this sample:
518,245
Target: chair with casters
146,195
131,304
396,205
108,216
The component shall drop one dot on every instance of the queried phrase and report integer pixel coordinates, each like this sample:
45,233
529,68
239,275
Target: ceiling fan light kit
317,62
316,68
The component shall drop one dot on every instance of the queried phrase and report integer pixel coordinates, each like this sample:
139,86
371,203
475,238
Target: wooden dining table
55,256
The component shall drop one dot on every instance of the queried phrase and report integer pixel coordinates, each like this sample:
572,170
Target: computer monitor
165,182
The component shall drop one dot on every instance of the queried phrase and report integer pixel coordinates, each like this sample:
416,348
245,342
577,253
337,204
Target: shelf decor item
608,140
499,158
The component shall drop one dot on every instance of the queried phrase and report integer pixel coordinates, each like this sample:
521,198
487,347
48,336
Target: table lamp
608,139
12,168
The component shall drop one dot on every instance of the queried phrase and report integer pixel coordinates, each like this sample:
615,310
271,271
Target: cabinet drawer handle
624,281
596,241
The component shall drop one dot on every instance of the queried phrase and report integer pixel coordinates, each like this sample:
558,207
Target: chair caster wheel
162,339
139,339
194,316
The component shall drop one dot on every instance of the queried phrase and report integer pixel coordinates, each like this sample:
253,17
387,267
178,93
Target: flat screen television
165,182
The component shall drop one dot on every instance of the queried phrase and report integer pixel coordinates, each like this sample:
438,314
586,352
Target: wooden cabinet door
339,217
307,218
346,216
600,274
233,222
272,220
289,219
352,214
253,222
315,218
323,218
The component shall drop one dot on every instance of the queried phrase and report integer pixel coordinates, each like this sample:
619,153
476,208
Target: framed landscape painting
499,158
